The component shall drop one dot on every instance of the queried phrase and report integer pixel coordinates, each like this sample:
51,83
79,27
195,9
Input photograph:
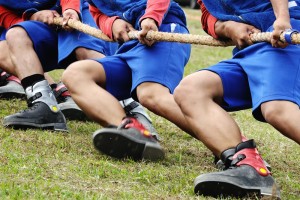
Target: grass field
37,164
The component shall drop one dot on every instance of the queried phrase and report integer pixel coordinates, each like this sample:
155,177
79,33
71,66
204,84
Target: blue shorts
260,73
69,41
55,48
135,63
2,33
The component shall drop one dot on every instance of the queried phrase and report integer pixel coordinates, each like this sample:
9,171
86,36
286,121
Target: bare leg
95,101
43,111
209,122
284,116
5,60
19,45
158,99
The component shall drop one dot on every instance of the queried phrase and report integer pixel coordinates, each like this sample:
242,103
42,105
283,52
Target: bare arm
282,21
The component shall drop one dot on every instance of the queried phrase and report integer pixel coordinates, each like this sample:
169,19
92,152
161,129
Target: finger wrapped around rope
290,36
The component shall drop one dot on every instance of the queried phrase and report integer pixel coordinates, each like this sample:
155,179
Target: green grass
37,164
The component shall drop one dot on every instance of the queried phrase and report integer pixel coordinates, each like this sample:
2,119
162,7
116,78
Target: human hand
120,29
45,16
238,32
280,25
69,14
147,25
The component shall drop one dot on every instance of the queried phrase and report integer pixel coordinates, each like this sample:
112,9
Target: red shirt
9,17
154,10
207,20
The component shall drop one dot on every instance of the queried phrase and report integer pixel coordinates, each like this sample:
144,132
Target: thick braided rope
174,37
77,25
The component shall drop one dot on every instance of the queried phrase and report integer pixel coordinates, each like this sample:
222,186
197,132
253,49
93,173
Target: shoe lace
61,93
124,123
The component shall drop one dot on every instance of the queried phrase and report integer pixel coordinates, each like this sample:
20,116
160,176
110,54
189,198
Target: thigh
44,40
274,74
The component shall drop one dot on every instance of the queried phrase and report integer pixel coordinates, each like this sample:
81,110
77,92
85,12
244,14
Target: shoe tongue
249,144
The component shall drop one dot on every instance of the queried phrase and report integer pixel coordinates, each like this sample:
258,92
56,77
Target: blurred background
188,3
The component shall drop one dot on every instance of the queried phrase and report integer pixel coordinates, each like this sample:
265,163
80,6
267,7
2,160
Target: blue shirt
258,13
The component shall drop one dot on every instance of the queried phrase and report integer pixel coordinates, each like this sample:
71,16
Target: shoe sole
12,90
117,145
50,126
74,114
12,95
219,189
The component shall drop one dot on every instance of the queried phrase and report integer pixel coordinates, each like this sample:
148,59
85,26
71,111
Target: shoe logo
263,171
147,133
54,108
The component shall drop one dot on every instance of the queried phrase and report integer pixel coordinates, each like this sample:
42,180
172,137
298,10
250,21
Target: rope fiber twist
294,37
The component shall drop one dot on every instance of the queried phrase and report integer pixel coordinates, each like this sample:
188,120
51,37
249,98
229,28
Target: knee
273,112
183,91
72,75
18,35
148,99
201,86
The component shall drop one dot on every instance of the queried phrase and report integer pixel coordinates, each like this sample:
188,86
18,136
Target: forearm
222,29
281,9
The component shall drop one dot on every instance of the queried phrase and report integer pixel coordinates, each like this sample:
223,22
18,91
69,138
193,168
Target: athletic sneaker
245,174
42,111
67,105
10,86
134,109
129,140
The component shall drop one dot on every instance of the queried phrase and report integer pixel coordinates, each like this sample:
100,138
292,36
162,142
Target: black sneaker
221,166
237,182
10,86
67,105
130,140
245,175
38,115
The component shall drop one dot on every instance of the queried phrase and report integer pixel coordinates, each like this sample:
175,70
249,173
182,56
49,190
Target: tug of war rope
290,36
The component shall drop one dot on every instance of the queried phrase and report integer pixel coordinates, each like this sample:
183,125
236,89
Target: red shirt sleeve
207,20
70,4
103,21
8,17
156,10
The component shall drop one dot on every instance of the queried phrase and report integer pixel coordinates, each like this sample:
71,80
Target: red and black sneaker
221,166
246,175
10,86
67,105
129,140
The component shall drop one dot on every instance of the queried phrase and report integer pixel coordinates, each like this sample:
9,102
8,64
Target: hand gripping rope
290,36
